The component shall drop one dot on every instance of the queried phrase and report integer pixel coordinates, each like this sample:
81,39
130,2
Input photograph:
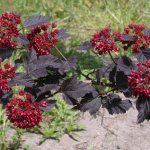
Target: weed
3,129
63,120
16,139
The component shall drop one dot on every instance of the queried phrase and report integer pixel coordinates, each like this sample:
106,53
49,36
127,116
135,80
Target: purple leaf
128,38
36,67
85,46
115,105
22,79
35,21
74,89
62,34
22,39
67,65
92,105
121,80
4,98
127,92
143,107
69,100
118,79
5,52
126,65
39,66
147,32
46,88
143,55
103,72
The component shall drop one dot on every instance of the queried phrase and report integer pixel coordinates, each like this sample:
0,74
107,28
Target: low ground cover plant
29,66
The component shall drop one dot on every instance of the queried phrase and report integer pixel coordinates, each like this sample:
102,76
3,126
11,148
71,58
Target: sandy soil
117,132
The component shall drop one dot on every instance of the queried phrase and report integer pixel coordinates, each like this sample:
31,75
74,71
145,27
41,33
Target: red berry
54,25
42,41
43,103
7,66
55,40
21,92
138,81
104,42
22,113
8,26
6,74
28,96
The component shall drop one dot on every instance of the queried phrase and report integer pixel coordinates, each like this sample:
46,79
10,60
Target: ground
117,132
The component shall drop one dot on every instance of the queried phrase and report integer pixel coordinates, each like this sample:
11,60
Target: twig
60,53
112,132
103,116
112,58
102,124
86,76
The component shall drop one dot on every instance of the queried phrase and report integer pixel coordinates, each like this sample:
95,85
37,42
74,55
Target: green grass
64,121
83,17
3,129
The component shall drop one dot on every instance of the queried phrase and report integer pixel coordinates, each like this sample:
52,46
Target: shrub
44,75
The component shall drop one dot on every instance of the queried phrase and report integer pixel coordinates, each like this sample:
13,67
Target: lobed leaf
22,79
103,72
147,32
91,104
39,66
62,34
128,38
143,55
126,65
143,107
5,97
22,39
74,89
46,88
85,46
5,52
115,105
127,92
118,79
35,21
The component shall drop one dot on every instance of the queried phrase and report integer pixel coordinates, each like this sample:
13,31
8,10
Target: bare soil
117,132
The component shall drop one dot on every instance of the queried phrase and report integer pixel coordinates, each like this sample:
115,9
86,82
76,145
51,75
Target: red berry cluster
22,113
139,80
8,29
7,72
42,40
103,41
136,32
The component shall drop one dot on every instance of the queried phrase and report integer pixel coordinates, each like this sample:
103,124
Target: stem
21,29
112,90
86,76
112,58
20,48
60,53
95,53
55,92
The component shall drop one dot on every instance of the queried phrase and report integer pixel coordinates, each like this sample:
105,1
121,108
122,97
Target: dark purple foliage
115,105
143,107
35,21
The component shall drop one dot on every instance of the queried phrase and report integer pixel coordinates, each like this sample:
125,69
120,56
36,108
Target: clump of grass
85,16
3,129
61,120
